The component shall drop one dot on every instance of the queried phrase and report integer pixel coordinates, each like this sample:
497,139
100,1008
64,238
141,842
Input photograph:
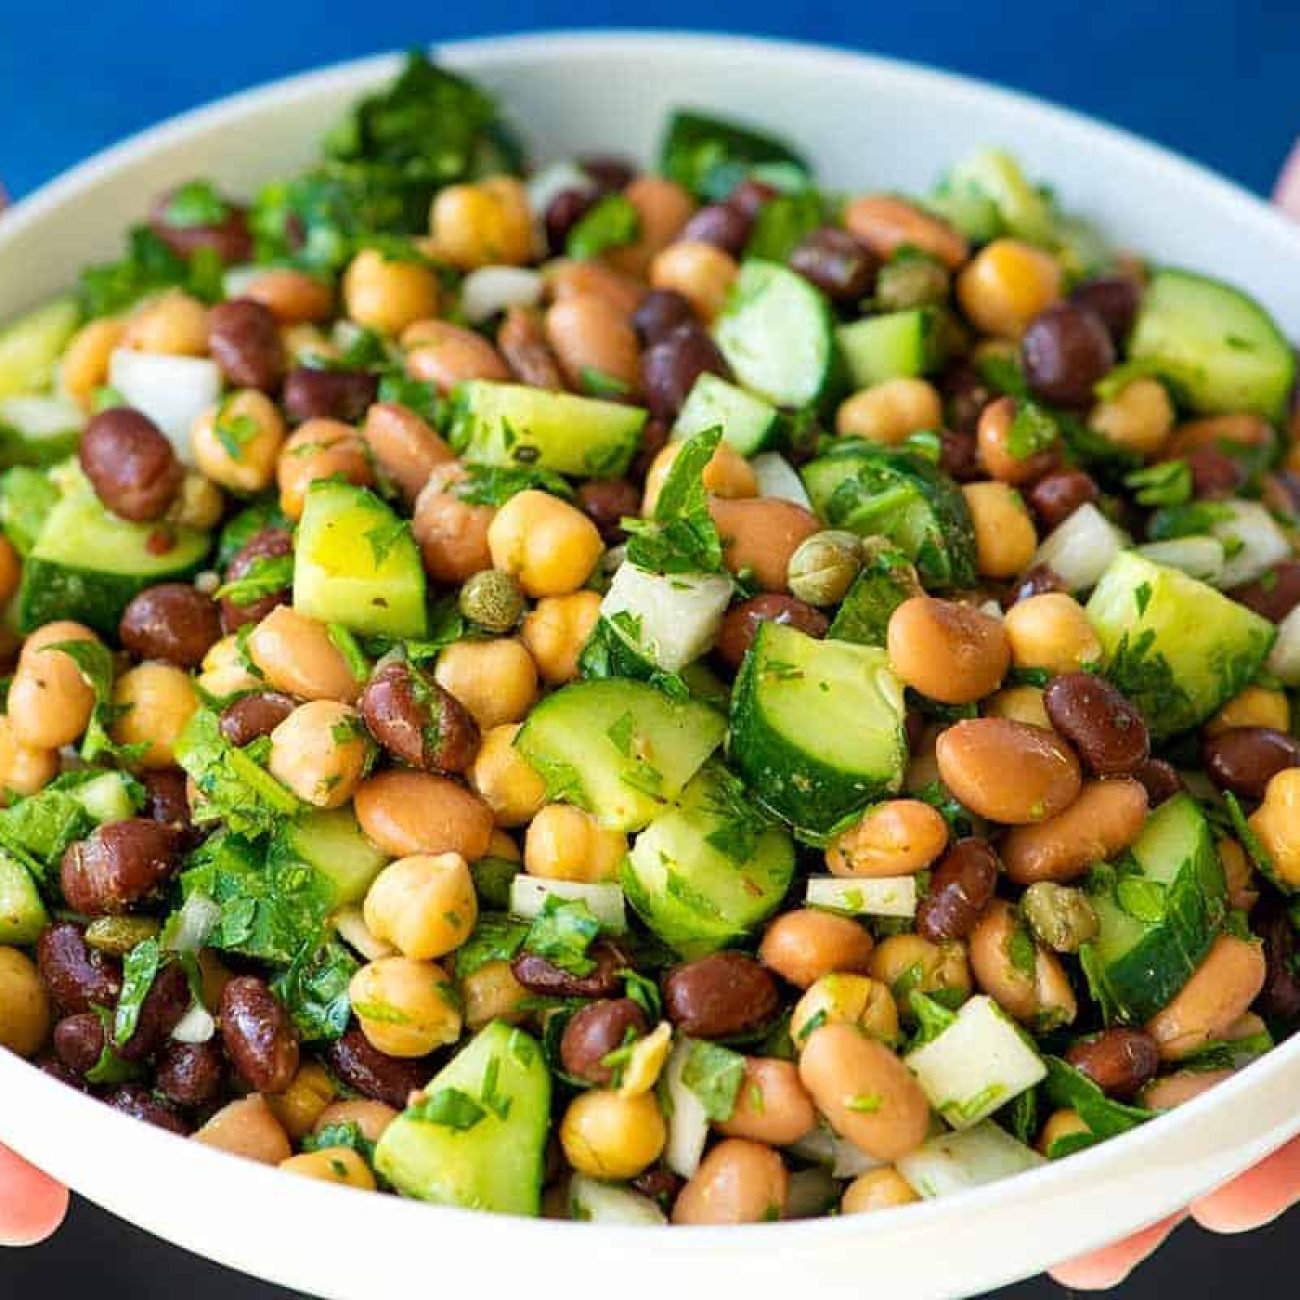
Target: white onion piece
492,289
41,417
194,922
171,391
1079,550
1284,662
838,1154
351,925
688,1124
1198,557
553,180
597,1202
528,895
778,478
235,282
1255,541
196,1025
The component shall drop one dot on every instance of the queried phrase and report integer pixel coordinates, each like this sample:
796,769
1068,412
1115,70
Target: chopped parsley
267,575
449,1107
714,1074
195,204
682,537
563,933
139,970
494,485
611,222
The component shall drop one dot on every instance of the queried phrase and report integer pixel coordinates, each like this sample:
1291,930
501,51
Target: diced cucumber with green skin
995,176
702,876
22,914
356,563
669,619
775,332
1159,910
38,430
886,580
334,844
1217,345
513,425
816,726
494,1163
622,749
30,346
1176,647
748,423
897,345
709,154
106,798
26,498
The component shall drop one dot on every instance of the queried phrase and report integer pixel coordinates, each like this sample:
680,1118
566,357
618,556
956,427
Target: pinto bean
1105,818
1008,771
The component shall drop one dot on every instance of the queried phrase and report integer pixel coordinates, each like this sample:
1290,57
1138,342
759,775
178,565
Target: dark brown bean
245,719
914,727
130,464
538,975
836,263
1098,720
1055,497
741,623
720,996
244,340
654,438
258,1035
79,1041
1119,1061
51,1065
1160,780
366,1070
166,799
344,395
160,1012
1036,581
594,1032
131,1099
660,1185
1280,492
172,621
77,976
229,238
960,889
723,225
661,311
670,368
608,501
119,865
1274,595
751,196
414,718
1114,300
190,1074
609,172
959,455
1245,759
1065,351
965,396
1215,474
1280,997
521,340
564,212
266,545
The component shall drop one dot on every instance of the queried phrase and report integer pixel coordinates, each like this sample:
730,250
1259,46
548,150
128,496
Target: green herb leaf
1066,1088
714,1074
496,938
562,933
932,1017
611,222
348,1135
267,575
139,970
1032,430
784,223
682,537
1168,483
109,288
195,203
314,991
494,485
449,1107
416,396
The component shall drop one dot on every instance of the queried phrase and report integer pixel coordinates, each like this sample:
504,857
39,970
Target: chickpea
999,949
25,1012
1221,989
1060,1124
1139,418
607,1135
804,945
885,224
237,443
1177,1089
156,700
308,345
485,223
493,993
663,207
452,534
50,700
332,1165
301,1105
567,843
320,751
856,1000
405,1008
319,449
567,279
84,367
894,838
760,536
877,1189
1051,632
1019,704
737,1182
495,680
24,770
590,338
296,655
504,779
556,630
728,474
702,273
549,545
388,294
224,672
372,1118
1006,284
1005,540
890,411
951,652
445,355
1277,823
172,324
247,1128
293,297
423,905
995,440
1255,706
903,962
406,812
11,570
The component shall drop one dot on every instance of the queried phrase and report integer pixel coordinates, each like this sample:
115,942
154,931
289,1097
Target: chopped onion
1079,550
353,930
597,1202
952,1162
553,180
1255,542
235,282
678,614
171,391
824,1147
528,895
196,1025
1284,662
1198,557
778,478
194,922
688,1124
491,289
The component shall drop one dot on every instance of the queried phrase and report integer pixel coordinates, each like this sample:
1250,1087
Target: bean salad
644,695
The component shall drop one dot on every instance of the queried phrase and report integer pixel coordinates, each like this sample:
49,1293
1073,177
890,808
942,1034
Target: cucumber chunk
476,1137
39,430
333,843
620,748
955,1162
356,563
748,423
817,726
669,619
513,425
1220,348
30,346
897,345
107,797
26,498
1176,647
995,177
775,332
887,579
1159,909
704,874
22,914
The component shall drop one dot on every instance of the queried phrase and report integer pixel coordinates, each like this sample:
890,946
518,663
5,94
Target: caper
823,567
911,280
1062,918
492,600
119,934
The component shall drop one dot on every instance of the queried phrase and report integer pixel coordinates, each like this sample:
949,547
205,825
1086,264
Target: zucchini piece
1176,647
704,874
709,155
668,619
22,914
334,845
1216,344
356,563
529,894
897,345
39,430
775,332
955,1162
874,896
789,737
887,579
1160,909
476,1136
748,423
621,749
30,346
512,425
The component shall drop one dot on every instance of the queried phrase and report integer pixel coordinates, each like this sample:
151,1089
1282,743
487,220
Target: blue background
1214,79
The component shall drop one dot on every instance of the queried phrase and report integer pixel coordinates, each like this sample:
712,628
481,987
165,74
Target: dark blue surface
1215,79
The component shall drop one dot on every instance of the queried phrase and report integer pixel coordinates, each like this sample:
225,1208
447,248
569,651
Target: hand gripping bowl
864,121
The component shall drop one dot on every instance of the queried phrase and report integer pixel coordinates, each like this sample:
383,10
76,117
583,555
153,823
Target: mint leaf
449,1107
714,1074
562,933
314,990
612,222
139,971
682,537
195,203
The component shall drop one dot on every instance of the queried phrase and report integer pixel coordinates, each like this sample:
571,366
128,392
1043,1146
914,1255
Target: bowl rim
473,55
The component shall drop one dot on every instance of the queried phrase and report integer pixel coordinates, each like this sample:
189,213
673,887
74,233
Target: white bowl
866,123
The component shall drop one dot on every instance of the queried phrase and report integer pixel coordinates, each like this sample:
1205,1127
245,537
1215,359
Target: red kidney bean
411,716
959,455
723,225
960,889
79,1041
660,1185
1114,299
720,996
245,719
258,1035
119,865
966,395
1096,718
741,622
266,545
564,212
1280,997
836,263
366,1070
189,1075
244,340
1274,595
77,976
670,367
55,1068
1119,1061
165,797
1160,780
311,393
160,1012
229,238
751,196
1245,759
1036,581
172,621
594,1032
1065,351
660,312
1056,496
1215,474
130,464
131,1099
608,501
538,975
609,172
